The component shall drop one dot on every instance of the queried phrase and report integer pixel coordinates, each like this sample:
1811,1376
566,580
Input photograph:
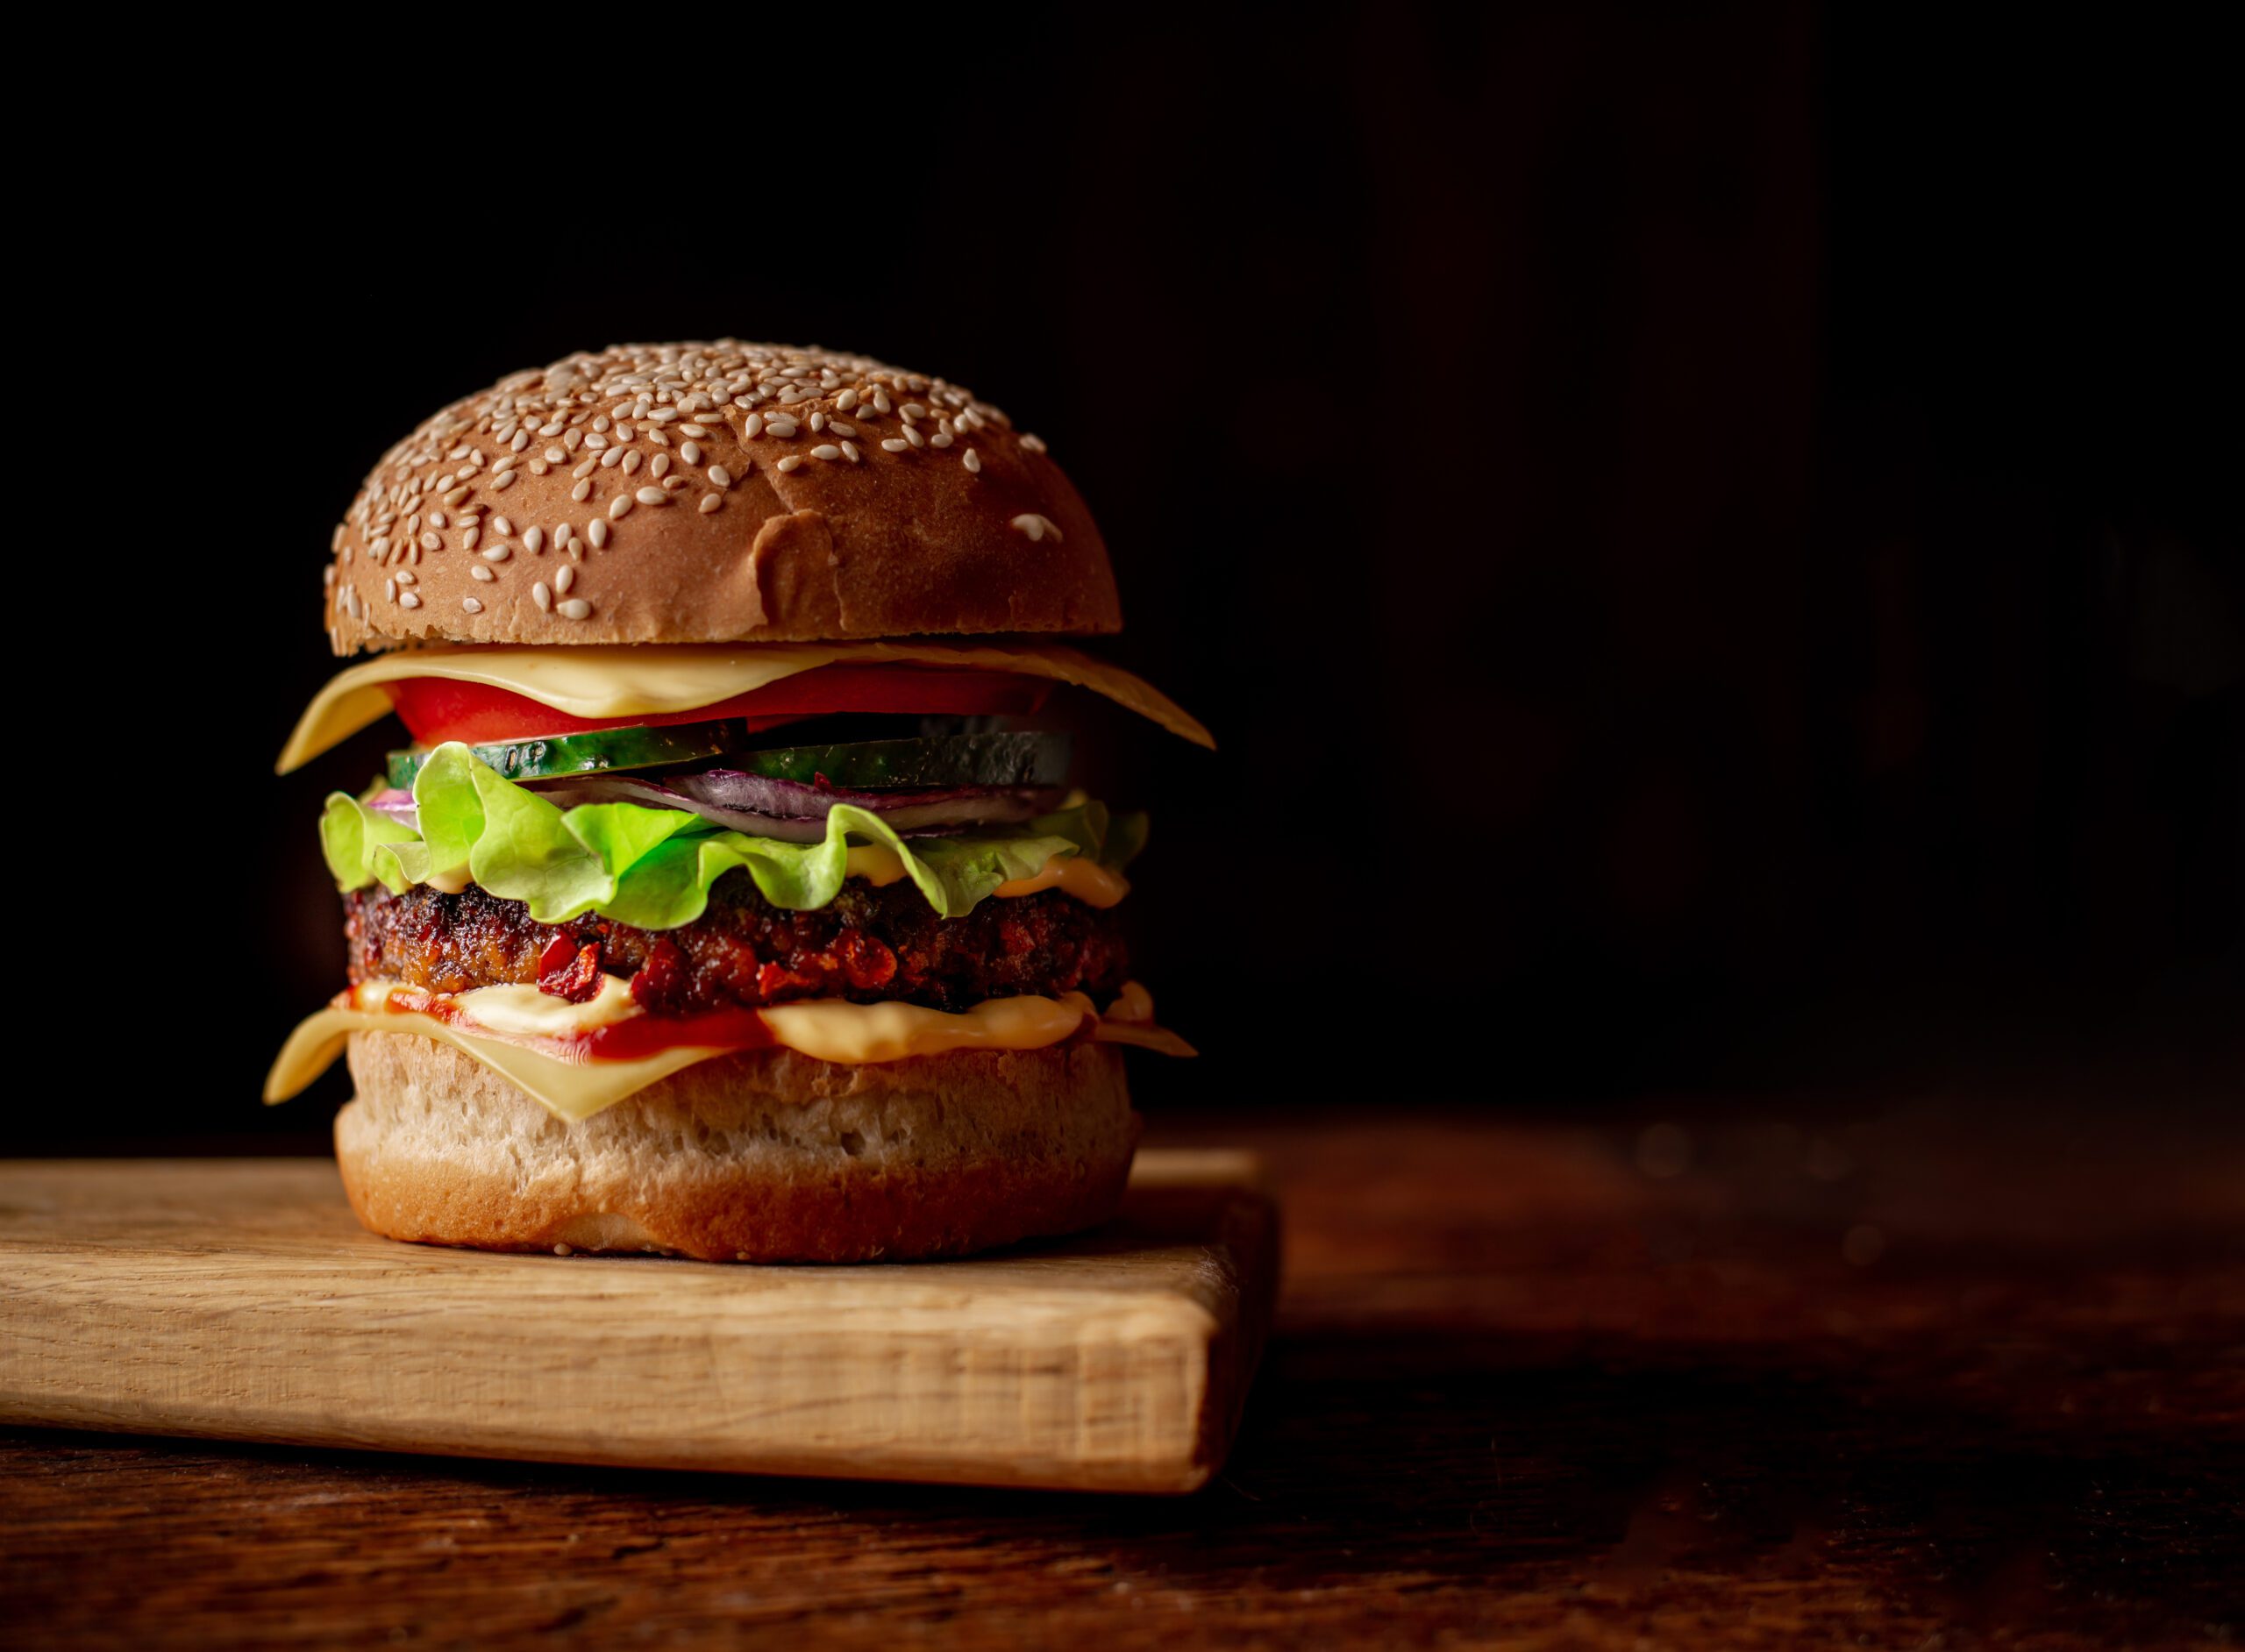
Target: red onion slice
397,806
789,810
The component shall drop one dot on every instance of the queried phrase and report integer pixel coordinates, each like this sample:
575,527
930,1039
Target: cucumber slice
592,752
959,760
942,760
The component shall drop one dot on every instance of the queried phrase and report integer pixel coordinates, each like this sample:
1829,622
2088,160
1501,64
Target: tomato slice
440,708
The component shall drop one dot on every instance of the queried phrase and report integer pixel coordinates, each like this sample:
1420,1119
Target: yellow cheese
572,1089
1089,881
650,681
830,1030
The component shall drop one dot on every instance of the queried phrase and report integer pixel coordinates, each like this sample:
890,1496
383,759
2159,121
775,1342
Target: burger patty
868,944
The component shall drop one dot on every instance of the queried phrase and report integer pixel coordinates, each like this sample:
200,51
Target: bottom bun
763,1156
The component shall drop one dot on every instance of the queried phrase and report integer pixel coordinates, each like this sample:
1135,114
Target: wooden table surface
1905,1375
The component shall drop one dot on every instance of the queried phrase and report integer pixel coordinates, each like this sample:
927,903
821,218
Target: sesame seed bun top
726,492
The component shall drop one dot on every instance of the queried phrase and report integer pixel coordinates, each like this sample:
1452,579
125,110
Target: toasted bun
766,1156
680,493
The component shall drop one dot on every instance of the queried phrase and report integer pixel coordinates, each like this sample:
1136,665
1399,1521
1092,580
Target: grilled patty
867,945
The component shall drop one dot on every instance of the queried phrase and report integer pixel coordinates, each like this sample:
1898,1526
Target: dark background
1710,544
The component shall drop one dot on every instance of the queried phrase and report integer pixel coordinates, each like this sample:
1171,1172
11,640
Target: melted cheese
1087,880
623,681
573,1089
827,1029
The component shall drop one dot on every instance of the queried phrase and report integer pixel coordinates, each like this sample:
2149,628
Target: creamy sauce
579,1058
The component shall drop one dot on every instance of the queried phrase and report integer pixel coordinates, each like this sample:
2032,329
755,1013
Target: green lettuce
652,868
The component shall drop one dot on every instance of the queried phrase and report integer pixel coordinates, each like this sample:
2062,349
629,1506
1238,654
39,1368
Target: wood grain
1607,1384
241,1300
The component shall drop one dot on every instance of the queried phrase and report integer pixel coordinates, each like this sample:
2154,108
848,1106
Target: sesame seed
534,540
390,589
581,491
408,599
576,608
1037,527
1035,444
483,573
471,605
651,495
567,578
408,578
500,526
826,450
972,462
583,411
542,597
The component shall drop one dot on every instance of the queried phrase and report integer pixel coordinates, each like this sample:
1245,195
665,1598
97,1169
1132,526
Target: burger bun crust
760,1156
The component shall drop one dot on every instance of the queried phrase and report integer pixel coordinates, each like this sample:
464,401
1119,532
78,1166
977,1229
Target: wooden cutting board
239,1299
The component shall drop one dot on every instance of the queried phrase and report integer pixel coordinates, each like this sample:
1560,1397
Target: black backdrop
1710,544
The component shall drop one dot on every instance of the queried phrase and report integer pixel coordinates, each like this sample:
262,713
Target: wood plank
240,1300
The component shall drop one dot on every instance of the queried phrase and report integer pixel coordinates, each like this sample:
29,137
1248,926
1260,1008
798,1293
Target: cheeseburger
731,900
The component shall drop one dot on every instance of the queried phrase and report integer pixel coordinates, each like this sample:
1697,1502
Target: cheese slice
830,1030
649,680
1072,875
572,1090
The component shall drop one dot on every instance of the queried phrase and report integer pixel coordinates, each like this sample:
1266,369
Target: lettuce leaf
652,868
